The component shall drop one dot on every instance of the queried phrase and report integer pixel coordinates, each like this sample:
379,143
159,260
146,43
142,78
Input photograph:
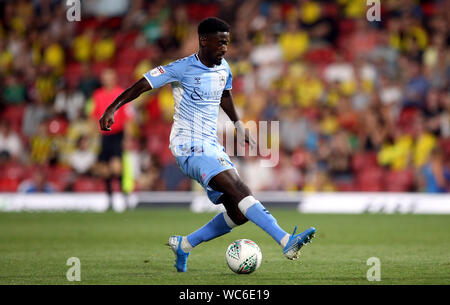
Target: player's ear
203,40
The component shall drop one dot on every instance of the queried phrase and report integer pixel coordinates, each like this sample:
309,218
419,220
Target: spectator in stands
88,81
104,48
339,161
318,181
69,101
435,174
83,159
41,145
37,184
425,141
10,143
416,87
14,90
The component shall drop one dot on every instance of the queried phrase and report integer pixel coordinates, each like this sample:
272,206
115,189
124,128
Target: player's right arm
127,96
153,79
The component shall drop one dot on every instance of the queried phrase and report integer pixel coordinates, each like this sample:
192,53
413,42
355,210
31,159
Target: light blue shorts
202,162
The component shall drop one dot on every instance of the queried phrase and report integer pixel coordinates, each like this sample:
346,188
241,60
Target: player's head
214,36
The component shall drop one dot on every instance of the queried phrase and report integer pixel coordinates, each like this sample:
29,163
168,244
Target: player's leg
240,196
219,225
182,245
200,168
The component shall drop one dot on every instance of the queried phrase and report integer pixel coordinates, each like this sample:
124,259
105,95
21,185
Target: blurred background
362,106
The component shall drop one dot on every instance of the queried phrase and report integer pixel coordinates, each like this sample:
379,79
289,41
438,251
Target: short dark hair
212,25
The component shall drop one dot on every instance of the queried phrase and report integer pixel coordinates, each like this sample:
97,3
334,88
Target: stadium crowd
362,106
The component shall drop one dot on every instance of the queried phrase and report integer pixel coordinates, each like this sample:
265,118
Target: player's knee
238,191
237,218
240,220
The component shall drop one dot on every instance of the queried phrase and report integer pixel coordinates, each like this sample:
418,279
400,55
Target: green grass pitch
129,248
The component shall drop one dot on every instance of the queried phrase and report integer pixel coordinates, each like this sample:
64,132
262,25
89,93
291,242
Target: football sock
218,226
256,213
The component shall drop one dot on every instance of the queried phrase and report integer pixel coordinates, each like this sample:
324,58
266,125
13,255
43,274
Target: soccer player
201,84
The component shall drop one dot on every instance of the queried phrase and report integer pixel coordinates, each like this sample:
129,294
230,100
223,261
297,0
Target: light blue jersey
197,92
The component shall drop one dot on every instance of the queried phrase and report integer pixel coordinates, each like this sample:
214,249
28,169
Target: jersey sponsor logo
157,71
198,94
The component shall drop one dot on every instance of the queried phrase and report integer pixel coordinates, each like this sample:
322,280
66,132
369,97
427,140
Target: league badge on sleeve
157,71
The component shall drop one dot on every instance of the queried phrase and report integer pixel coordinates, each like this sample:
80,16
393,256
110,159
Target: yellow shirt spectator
396,155
54,57
308,91
329,125
45,86
166,102
104,49
310,12
424,145
5,60
293,44
82,46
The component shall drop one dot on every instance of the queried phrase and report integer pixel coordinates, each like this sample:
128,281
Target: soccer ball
243,256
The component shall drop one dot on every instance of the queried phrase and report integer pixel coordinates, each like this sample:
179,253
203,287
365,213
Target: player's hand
244,135
107,120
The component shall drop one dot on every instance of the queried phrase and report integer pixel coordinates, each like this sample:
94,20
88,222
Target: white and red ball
243,256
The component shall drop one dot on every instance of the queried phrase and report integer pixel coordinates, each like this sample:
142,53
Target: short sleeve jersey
197,92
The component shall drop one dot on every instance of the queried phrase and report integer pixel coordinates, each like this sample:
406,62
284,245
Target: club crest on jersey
222,81
197,80
157,71
222,161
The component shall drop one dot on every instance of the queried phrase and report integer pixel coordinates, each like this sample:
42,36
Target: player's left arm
228,107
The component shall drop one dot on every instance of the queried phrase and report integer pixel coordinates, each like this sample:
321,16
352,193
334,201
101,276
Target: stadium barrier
344,202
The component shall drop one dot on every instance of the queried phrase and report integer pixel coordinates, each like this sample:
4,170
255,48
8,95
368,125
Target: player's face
216,46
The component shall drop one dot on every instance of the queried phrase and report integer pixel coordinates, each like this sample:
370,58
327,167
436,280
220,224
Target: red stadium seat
128,57
98,68
12,171
445,145
370,179
322,56
398,181
72,73
125,38
84,184
345,186
60,176
346,26
363,160
14,115
407,116
8,185
57,126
